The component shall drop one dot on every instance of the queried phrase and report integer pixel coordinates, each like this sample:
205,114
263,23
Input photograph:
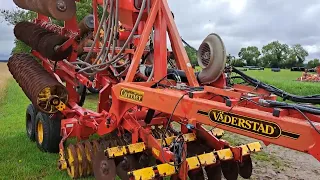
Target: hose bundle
105,59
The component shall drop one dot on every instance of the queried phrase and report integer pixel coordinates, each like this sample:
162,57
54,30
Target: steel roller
62,10
42,40
43,90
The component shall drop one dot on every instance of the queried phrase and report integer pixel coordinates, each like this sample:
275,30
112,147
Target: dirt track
4,74
283,164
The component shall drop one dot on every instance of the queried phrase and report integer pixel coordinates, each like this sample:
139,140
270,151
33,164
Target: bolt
61,5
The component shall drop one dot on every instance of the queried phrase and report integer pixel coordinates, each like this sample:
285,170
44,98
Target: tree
233,61
250,55
297,55
275,54
313,63
192,56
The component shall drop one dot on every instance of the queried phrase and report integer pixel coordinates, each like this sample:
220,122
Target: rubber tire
31,113
51,132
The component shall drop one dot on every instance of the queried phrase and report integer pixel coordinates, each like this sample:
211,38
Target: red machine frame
82,123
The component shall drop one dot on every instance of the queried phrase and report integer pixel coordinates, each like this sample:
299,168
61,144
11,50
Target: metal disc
96,147
103,167
84,160
89,153
73,163
62,9
89,150
230,170
36,36
245,168
196,174
129,163
214,172
41,45
50,43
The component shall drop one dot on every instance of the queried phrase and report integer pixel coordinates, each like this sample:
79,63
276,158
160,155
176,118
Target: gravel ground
280,163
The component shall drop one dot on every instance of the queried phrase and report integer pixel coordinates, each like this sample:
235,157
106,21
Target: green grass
286,80
21,159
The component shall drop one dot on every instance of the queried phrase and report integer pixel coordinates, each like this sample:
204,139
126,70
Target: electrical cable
288,106
306,117
166,130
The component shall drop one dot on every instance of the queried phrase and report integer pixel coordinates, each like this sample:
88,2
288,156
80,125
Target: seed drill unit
156,118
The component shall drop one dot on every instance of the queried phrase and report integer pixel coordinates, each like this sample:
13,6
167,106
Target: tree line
273,55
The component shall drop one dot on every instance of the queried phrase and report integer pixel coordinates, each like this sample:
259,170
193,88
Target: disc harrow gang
59,9
113,156
42,40
80,157
45,92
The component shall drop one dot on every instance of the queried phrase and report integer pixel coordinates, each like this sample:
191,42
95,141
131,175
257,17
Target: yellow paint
207,159
193,163
225,154
166,170
140,147
40,132
190,137
254,147
131,94
71,169
116,151
61,106
81,171
217,132
62,161
245,150
144,174
156,152
136,148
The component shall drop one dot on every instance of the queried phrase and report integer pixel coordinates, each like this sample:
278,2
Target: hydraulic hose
314,99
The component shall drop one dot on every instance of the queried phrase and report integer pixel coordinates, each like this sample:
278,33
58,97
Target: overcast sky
239,22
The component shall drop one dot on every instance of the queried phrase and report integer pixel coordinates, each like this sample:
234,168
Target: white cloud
239,22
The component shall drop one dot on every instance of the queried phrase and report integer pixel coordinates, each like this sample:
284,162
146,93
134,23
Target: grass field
21,159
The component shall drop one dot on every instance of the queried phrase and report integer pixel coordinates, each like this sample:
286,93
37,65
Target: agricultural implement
309,77
155,116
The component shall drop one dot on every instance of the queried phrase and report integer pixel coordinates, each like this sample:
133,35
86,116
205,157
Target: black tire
49,129
31,113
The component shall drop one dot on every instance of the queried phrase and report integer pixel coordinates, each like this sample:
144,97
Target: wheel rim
40,132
